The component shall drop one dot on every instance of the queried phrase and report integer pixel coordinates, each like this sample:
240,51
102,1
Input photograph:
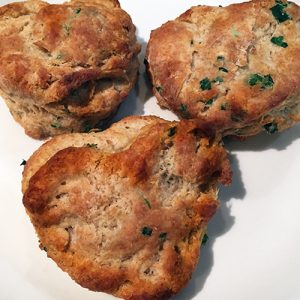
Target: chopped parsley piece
223,69
147,231
56,125
59,56
192,42
266,81
205,239
278,40
23,163
271,127
279,13
147,202
223,106
205,84
220,57
87,127
92,145
77,11
218,79
234,32
163,236
172,131
159,89
67,29
183,108
209,102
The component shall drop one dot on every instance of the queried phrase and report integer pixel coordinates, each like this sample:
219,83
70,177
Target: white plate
254,248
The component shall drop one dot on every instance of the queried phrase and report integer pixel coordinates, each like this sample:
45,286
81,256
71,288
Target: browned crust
88,206
74,61
183,52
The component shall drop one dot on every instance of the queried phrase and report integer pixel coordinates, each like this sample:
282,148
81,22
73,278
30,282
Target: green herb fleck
220,57
87,127
92,145
147,202
67,29
266,81
77,11
209,102
23,163
147,231
278,40
223,69
205,239
45,249
218,79
234,32
271,127
56,125
159,89
279,13
223,106
172,131
59,56
192,42
183,108
205,84
163,236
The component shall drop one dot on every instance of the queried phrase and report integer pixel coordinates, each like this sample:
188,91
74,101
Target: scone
64,68
124,211
235,67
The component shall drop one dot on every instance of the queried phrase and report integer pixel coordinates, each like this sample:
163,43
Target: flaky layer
124,211
62,66
234,67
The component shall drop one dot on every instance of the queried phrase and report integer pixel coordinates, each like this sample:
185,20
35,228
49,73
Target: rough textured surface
63,68
203,63
124,211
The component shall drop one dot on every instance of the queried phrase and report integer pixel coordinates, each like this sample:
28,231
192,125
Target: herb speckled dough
124,211
236,67
64,68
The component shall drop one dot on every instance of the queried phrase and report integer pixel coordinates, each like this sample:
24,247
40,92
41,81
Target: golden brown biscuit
236,67
124,211
63,68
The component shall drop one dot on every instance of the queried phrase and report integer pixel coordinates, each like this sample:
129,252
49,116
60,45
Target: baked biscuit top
234,66
47,52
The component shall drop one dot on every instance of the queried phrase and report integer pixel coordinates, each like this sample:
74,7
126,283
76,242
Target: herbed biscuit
236,67
65,67
124,211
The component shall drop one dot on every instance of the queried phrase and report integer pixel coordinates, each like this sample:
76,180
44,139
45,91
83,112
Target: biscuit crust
126,216
236,67
65,67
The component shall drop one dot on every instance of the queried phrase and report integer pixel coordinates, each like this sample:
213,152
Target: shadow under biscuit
264,141
134,103
221,223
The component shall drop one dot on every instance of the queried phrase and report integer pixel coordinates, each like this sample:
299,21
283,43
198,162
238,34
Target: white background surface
254,247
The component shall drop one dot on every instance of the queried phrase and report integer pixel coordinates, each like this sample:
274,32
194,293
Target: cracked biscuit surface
65,67
124,211
236,67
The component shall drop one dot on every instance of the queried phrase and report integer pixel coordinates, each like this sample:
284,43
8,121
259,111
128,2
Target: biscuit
65,67
124,211
235,67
